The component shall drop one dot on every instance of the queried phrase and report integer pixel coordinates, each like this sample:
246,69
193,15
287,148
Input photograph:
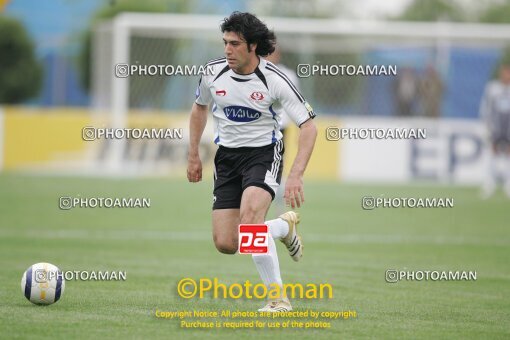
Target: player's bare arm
294,193
197,122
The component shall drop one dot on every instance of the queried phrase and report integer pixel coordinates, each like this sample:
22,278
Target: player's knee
225,246
249,215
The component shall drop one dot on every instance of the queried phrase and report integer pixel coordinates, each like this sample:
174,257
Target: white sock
278,228
268,265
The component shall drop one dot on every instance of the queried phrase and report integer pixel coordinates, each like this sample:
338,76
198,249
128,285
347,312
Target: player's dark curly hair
252,30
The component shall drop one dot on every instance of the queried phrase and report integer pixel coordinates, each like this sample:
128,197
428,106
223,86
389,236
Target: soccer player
495,111
249,95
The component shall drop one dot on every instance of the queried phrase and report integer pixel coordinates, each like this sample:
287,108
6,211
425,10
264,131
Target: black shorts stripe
277,158
287,80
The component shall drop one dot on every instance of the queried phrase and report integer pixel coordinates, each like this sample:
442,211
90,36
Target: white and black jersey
248,108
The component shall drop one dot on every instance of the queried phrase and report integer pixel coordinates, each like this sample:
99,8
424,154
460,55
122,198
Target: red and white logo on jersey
222,93
257,96
253,238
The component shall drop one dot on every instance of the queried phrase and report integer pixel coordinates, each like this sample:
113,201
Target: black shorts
235,169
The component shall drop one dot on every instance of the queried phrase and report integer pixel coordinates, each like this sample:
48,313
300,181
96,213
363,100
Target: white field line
205,235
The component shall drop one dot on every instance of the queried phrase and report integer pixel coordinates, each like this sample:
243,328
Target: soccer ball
43,284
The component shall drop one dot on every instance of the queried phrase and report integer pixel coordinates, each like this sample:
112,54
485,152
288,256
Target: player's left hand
294,194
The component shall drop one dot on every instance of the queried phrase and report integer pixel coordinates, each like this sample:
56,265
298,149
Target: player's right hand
194,169
294,195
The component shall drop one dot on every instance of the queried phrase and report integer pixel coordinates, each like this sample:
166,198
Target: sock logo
253,238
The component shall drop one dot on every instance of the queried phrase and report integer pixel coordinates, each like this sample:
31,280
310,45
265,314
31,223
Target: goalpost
181,39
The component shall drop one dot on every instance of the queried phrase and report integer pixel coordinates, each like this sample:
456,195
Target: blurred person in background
406,90
495,112
431,92
275,59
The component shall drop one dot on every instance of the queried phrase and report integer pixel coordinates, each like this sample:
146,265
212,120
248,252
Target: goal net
441,70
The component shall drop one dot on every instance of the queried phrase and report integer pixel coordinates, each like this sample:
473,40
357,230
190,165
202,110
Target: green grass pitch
345,246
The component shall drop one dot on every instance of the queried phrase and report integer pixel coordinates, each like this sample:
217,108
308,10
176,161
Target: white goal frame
125,25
